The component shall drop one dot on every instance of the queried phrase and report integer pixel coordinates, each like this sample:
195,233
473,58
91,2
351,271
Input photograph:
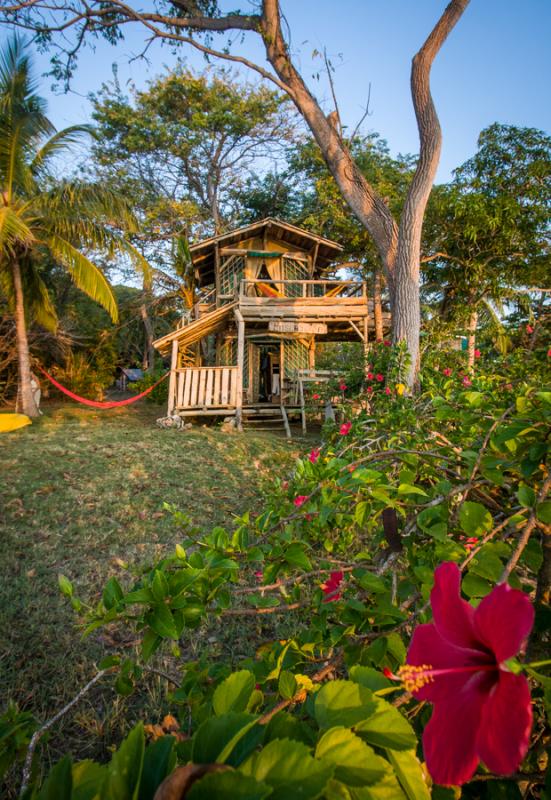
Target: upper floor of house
269,260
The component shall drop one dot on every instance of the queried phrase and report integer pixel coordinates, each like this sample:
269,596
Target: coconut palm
43,219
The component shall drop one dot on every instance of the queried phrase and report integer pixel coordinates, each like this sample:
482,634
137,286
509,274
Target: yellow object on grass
400,389
11,422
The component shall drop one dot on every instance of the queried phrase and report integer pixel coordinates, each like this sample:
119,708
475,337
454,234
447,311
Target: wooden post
240,365
172,379
217,273
312,355
366,326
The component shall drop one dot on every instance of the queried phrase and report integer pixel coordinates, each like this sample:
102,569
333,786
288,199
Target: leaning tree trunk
25,393
378,305
471,340
148,357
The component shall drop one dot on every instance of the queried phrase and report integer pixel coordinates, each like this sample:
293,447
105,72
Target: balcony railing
328,289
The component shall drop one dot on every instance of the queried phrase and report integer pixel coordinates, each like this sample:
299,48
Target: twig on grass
37,735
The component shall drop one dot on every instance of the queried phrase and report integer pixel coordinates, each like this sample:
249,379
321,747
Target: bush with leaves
458,474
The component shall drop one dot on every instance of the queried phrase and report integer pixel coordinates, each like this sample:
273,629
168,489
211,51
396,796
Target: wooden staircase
266,417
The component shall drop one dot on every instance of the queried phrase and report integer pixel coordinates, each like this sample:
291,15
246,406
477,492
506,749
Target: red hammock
98,403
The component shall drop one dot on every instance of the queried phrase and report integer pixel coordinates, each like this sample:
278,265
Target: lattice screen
232,270
295,358
228,353
294,270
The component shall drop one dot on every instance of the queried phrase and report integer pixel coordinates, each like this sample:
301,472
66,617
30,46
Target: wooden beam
217,272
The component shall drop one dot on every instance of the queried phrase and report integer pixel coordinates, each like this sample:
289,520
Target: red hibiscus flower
344,430
386,343
447,372
370,376
529,329
379,377
331,587
315,397
466,381
387,390
300,500
314,455
477,353
549,353
259,575
370,389
482,711
343,387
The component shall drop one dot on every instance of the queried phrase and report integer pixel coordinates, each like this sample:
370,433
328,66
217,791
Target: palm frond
86,276
14,233
37,298
56,144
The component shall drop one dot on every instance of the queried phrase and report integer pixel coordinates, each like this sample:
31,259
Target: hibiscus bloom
386,343
549,353
447,372
315,397
387,390
314,455
331,587
529,329
344,430
482,711
379,377
370,376
259,575
343,387
370,389
300,500
477,353
466,381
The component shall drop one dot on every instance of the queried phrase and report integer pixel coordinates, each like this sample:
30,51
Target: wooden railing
206,388
319,289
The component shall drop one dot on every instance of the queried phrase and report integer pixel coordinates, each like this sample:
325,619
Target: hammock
98,403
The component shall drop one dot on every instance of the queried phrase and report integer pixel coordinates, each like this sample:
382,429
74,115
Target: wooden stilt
240,365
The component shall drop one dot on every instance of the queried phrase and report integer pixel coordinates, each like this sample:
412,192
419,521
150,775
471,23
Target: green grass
82,491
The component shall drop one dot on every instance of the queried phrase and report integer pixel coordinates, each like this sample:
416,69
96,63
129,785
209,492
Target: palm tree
42,219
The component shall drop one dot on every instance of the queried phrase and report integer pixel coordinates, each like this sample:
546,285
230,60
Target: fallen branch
37,735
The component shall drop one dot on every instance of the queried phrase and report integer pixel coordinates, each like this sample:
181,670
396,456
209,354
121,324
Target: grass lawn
80,491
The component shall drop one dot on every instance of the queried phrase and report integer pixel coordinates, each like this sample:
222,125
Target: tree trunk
471,340
25,393
399,248
148,355
378,306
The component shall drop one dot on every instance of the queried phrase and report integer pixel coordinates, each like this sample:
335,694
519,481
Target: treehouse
267,298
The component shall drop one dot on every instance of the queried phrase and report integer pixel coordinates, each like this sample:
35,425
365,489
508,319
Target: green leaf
487,565
287,685
59,783
162,622
159,761
386,727
543,512
290,770
475,586
355,762
122,781
233,693
410,774
372,583
230,737
408,488
526,496
474,518
112,593
150,643
342,703
159,586
369,677
228,786
65,585
296,556
88,778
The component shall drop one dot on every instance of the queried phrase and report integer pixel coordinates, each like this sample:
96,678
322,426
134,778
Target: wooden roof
202,253
196,330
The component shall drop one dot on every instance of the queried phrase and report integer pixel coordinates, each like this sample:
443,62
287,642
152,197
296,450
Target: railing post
172,379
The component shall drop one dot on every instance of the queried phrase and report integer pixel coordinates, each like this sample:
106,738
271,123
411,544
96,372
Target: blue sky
495,66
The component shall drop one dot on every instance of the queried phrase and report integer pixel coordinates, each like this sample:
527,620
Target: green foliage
159,395
457,465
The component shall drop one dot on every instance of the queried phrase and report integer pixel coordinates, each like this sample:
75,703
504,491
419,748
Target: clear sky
495,66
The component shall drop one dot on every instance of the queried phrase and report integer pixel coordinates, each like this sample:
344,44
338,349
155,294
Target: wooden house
251,339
